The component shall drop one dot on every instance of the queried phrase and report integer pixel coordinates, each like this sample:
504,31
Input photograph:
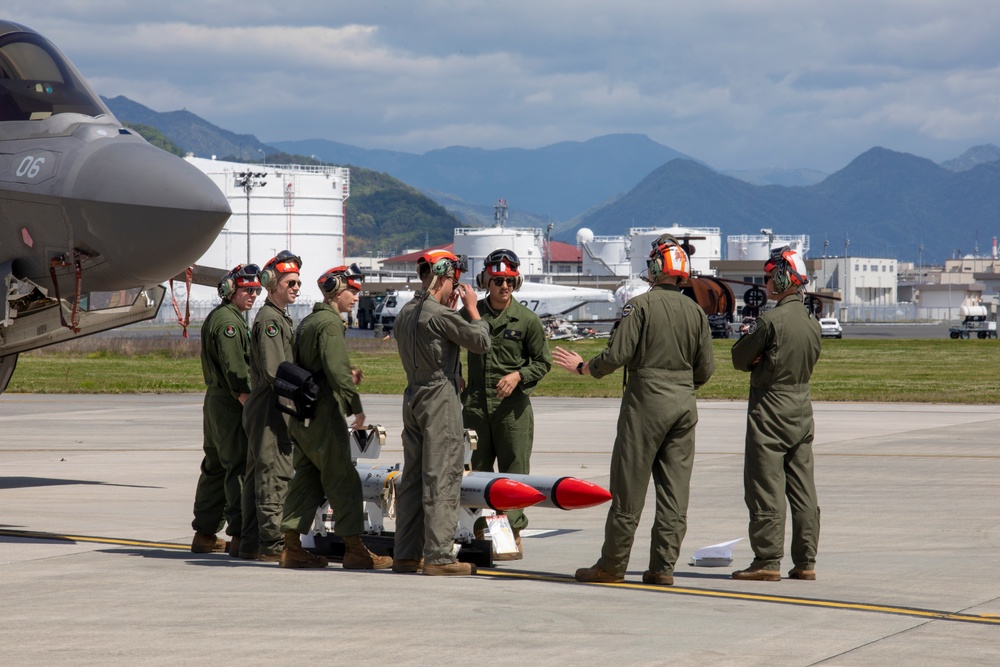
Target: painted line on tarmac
932,614
87,538
988,619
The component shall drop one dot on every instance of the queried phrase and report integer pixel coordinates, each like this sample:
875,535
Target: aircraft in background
92,217
542,299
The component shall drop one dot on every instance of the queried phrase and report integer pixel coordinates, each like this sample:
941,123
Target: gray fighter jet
92,217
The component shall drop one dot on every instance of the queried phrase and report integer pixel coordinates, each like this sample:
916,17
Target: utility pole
548,248
248,181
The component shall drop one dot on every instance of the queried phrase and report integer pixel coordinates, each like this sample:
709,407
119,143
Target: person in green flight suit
323,467
664,342
225,364
780,351
496,397
269,450
430,335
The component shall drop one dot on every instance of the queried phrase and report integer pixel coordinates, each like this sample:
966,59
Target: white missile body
565,493
496,492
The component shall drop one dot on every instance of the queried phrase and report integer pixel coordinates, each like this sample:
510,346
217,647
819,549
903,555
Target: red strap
186,319
74,317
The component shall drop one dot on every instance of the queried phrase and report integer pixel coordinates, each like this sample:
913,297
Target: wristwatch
579,368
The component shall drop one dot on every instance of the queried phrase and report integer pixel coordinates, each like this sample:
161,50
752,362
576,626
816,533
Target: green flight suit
429,338
323,467
269,450
664,342
780,352
506,428
225,364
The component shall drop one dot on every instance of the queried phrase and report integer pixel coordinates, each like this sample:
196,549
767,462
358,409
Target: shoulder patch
271,330
752,327
230,331
627,310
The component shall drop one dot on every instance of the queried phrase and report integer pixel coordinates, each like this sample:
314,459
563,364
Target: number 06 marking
30,166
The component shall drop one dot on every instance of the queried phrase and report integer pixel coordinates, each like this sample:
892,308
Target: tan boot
757,574
234,546
294,556
204,543
657,578
407,566
597,575
802,573
449,569
357,556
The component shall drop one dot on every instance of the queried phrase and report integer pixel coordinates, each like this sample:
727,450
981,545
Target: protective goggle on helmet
241,276
341,277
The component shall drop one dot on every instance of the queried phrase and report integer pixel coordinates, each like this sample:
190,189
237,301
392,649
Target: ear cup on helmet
654,267
781,279
268,276
441,267
227,287
332,285
482,280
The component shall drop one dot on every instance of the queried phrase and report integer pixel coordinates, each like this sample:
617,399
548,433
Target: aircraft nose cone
150,214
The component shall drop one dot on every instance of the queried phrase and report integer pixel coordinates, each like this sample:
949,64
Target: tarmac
95,565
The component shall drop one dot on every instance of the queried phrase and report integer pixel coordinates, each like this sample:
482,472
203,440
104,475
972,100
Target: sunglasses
293,283
499,282
252,291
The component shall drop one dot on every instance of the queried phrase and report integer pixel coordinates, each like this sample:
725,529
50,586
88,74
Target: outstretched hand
566,359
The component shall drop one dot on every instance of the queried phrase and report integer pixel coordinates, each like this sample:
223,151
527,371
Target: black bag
297,392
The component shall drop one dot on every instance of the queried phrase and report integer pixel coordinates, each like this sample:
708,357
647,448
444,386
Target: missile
378,485
565,493
499,493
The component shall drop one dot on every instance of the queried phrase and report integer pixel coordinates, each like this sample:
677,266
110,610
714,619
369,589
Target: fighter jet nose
150,214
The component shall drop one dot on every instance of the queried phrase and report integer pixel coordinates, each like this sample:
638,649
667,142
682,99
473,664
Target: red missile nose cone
575,494
506,494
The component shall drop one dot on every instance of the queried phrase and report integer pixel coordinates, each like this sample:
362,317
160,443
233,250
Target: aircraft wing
209,276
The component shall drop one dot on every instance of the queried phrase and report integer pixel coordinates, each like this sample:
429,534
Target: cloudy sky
737,83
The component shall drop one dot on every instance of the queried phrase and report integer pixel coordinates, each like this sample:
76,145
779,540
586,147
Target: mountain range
884,203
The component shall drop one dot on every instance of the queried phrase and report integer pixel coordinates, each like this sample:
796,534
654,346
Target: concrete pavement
908,563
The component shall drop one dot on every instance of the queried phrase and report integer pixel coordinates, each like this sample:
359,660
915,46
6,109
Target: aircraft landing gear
7,366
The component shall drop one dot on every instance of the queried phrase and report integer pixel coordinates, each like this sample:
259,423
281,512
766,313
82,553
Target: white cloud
738,84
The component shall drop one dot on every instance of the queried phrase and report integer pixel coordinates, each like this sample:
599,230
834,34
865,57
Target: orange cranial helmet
284,262
668,258
787,268
340,278
443,264
240,276
501,263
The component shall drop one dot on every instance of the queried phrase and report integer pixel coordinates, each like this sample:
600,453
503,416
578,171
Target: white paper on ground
715,555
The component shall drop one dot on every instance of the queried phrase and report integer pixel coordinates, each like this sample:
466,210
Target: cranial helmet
668,258
283,262
787,268
240,276
443,264
501,263
340,278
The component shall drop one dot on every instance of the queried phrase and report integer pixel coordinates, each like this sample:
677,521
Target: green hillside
155,137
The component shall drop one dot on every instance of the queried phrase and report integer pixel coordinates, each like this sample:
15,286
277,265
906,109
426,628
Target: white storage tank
292,207
706,242
603,255
757,247
476,243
